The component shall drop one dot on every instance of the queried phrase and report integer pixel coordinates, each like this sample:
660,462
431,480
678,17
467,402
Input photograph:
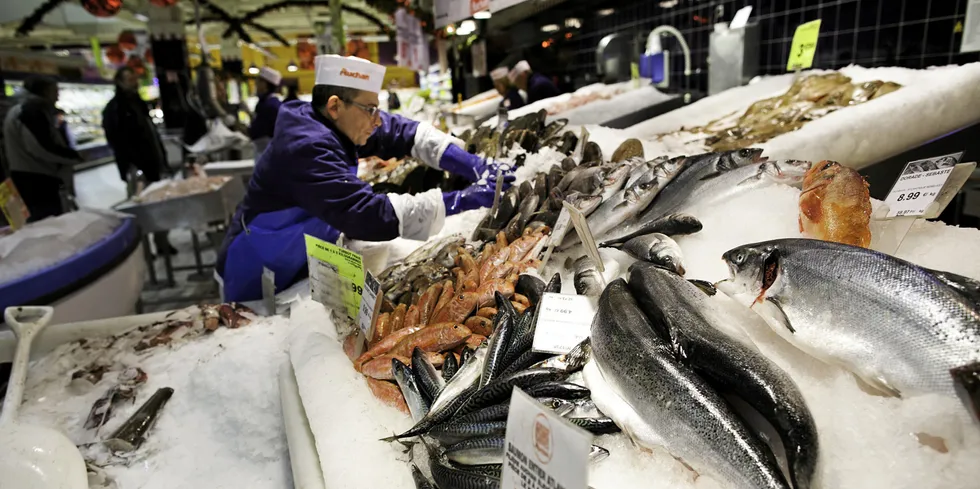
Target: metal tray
191,211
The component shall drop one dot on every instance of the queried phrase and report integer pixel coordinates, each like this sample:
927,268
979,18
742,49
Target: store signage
370,305
498,5
920,184
804,46
12,205
336,276
542,450
413,51
564,320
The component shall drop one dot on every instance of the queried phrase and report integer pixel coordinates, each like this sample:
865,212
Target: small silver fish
588,280
658,249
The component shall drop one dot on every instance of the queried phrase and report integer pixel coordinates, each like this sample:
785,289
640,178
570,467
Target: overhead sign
413,51
498,5
452,11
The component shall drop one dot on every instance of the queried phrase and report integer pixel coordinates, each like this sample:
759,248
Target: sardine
695,332
587,279
429,380
500,389
661,402
596,426
896,325
449,367
560,390
418,406
658,249
455,432
497,344
671,225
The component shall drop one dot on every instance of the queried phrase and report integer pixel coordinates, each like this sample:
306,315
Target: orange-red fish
386,344
388,393
458,309
485,294
479,325
835,205
435,337
427,303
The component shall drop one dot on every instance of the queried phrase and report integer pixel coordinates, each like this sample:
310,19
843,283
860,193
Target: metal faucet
653,46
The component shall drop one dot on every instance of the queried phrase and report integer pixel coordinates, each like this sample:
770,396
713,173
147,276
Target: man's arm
265,118
42,130
394,139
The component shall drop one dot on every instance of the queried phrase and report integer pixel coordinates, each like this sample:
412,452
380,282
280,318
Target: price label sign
542,450
804,46
369,303
919,185
12,205
563,321
336,276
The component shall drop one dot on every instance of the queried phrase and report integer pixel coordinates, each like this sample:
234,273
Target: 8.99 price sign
919,185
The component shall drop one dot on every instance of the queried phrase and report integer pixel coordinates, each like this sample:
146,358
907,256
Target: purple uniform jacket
266,111
514,97
539,87
311,165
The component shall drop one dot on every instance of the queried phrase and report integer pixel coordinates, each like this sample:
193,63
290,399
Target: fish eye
829,165
745,153
738,258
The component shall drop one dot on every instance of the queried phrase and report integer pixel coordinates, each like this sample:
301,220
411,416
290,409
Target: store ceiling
70,24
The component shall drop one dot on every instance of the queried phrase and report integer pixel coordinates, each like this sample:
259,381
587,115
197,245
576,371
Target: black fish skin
561,390
428,378
596,426
531,287
497,412
435,417
694,422
554,285
729,365
524,361
670,225
449,367
501,388
457,432
521,337
498,343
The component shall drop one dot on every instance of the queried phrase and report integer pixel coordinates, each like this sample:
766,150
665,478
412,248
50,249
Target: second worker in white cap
512,96
306,180
266,110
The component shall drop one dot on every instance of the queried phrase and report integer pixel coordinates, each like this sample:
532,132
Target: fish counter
745,336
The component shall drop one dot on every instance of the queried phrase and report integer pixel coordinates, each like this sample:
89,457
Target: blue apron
273,240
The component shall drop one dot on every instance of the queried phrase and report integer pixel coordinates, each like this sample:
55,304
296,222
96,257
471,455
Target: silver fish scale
692,420
889,318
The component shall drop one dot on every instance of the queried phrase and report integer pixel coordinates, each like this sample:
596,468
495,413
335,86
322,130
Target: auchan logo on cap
354,74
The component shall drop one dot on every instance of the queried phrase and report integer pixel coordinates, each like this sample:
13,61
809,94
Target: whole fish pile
661,361
809,98
405,281
434,324
835,205
461,415
901,328
529,131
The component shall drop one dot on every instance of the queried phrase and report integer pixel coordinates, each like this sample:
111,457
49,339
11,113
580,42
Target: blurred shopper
39,157
506,89
536,85
292,92
266,110
133,137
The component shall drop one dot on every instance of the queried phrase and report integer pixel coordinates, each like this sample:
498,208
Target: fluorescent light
450,29
292,66
62,53
253,70
466,27
606,11
141,18
484,14
573,23
668,4
549,28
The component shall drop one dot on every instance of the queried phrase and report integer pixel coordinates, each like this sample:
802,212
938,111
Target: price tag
542,450
370,305
585,234
741,17
564,320
804,46
919,185
557,235
336,276
12,205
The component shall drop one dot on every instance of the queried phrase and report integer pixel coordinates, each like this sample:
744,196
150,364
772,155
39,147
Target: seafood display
809,98
530,132
835,205
172,189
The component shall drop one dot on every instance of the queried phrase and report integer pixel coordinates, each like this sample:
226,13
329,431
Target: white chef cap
351,72
499,73
519,68
270,75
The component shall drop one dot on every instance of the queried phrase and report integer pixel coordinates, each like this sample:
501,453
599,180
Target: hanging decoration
102,8
126,41
163,3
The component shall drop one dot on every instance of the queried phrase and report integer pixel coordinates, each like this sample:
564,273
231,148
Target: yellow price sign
12,205
804,46
336,275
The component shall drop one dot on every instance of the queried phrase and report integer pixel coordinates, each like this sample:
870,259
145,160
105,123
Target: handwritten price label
804,46
563,322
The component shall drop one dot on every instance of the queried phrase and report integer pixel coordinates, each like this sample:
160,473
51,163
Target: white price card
564,320
369,299
542,450
561,227
919,185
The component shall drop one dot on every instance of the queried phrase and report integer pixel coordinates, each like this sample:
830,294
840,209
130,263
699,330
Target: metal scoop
33,456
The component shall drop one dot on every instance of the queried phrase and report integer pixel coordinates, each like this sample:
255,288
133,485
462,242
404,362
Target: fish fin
782,318
876,386
711,175
704,286
966,381
966,287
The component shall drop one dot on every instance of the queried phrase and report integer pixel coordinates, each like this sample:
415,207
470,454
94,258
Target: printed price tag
804,46
563,321
336,276
369,303
542,450
12,205
919,185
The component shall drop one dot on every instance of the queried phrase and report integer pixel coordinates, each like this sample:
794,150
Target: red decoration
102,8
163,3
127,41
136,64
115,55
148,56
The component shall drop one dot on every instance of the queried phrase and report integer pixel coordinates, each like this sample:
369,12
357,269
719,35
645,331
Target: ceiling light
606,11
449,29
141,18
549,28
466,27
292,66
485,14
668,3
62,53
573,23
253,70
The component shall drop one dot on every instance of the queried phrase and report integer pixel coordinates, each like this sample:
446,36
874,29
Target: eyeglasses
371,110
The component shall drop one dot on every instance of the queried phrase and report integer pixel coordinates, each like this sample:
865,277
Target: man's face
521,80
353,119
129,81
500,86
